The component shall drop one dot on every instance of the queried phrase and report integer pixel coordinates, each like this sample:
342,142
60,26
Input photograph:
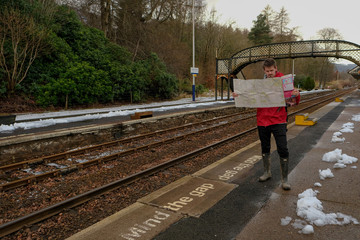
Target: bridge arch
355,72
295,49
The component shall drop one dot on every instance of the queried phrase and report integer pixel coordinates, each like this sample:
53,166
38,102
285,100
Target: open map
257,93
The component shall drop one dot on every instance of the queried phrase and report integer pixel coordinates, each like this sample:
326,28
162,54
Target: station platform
226,201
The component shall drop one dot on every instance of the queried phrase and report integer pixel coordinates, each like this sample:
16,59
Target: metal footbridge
227,68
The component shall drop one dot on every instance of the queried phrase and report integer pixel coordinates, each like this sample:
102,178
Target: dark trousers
279,132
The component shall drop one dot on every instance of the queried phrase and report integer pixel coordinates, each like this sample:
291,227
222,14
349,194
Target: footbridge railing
227,67
355,72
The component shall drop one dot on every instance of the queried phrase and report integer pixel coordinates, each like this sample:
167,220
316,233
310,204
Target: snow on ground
317,184
130,107
356,118
332,156
40,120
309,207
53,118
337,157
336,137
325,174
285,221
347,128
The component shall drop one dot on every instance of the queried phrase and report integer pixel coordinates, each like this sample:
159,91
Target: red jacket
273,115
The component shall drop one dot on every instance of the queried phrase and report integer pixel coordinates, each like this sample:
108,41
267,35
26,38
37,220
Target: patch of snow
285,221
325,174
356,118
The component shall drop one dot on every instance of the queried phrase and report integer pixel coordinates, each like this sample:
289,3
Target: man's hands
295,92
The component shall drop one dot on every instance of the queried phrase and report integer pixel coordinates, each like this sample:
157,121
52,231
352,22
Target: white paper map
258,93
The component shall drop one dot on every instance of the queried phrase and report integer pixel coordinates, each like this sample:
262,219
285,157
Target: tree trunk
67,101
105,16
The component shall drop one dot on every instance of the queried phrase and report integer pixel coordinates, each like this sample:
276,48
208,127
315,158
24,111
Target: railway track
58,164
110,151
149,169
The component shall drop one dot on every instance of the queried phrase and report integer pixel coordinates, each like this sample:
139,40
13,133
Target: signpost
194,72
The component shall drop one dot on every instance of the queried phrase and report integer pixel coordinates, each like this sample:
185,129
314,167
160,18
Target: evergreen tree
309,83
260,32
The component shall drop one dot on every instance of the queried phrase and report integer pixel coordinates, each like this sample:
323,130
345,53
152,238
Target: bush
309,83
80,84
200,89
185,86
304,82
299,81
79,65
158,82
167,85
3,83
127,83
2,89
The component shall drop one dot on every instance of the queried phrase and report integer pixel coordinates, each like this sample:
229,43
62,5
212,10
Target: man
273,120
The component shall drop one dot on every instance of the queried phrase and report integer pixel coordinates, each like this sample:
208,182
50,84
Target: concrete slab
266,224
338,194
307,172
295,129
189,196
351,139
324,110
233,166
351,145
342,188
138,221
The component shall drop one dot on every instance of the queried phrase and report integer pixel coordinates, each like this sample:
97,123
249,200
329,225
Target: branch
3,60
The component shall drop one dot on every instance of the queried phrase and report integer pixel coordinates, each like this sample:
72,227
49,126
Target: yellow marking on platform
304,120
338,100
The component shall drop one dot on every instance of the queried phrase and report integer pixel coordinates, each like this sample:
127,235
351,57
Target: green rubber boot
267,168
284,165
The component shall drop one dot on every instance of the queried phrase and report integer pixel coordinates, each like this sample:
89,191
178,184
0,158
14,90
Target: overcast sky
309,16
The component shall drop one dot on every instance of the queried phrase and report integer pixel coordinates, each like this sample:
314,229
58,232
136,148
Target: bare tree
281,22
326,67
329,34
269,14
20,42
278,22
